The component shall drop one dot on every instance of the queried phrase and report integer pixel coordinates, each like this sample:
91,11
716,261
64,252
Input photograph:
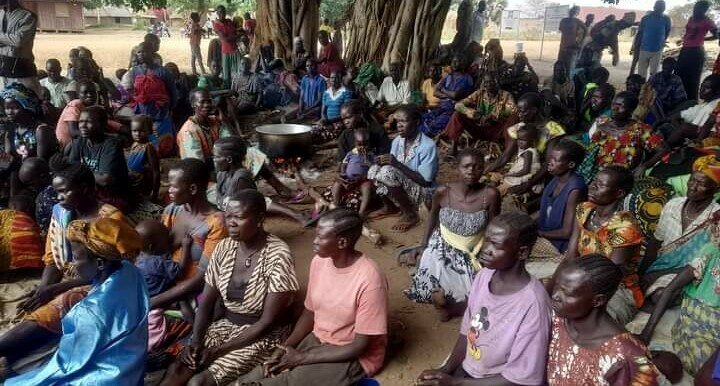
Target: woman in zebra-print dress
253,273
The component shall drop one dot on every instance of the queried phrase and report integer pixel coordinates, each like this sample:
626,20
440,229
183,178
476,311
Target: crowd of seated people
622,185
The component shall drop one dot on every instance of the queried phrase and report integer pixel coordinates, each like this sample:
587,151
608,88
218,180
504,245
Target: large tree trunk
463,26
280,21
406,31
368,29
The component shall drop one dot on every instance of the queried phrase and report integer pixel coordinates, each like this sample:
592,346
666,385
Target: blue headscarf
22,95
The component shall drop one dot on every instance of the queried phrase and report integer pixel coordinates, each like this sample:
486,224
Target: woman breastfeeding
104,335
588,346
460,212
252,272
60,286
189,214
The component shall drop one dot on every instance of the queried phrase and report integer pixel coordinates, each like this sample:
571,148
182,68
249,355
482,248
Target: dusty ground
425,341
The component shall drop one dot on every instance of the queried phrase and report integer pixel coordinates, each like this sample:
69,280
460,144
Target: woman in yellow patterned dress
602,228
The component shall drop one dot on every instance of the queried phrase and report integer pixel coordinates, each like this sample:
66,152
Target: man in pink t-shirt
505,332
342,334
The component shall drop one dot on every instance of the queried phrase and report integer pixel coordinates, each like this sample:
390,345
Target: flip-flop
379,216
297,198
314,217
400,258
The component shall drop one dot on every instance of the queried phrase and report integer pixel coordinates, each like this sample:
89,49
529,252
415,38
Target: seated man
394,92
312,87
668,86
55,83
406,178
505,332
483,113
694,123
340,339
561,86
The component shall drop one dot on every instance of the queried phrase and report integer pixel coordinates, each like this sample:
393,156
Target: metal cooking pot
285,140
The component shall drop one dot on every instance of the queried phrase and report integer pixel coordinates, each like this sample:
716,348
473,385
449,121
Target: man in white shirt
55,83
394,91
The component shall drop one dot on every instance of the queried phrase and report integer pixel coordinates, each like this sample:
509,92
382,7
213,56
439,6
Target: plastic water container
368,382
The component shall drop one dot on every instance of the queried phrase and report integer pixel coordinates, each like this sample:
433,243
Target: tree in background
334,10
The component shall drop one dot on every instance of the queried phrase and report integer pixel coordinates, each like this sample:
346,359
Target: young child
505,332
155,260
526,162
142,159
353,174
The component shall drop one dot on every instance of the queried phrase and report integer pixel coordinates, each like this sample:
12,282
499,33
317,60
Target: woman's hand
38,297
386,159
197,356
434,378
272,361
290,359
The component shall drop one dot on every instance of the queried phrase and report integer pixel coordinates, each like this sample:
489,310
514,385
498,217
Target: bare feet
406,222
383,213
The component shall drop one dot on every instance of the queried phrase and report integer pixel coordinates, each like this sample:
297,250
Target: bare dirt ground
425,340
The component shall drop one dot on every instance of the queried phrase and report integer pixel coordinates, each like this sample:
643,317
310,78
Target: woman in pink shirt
227,32
692,55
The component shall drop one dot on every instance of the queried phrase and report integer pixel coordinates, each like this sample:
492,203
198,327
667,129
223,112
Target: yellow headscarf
107,238
708,165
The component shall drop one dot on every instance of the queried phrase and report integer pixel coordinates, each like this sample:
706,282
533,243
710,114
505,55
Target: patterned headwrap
107,238
708,165
22,95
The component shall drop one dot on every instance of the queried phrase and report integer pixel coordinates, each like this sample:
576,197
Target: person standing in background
572,33
651,36
478,23
196,33
249,26
226,31
17,35
692,54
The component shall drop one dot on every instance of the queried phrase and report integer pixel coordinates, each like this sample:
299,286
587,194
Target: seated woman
103,154
695,123
105,334
694,335
329,59
460,212
20,244
405,178
529,113
252,272
598,105
153,93
682,229
505,332
354,116
483,114
67,125
556,218
623,141
230,156
433,76
602,228
189,214
212,81
453,88
561,86
60,286
248,88
588,346
27,136
332,99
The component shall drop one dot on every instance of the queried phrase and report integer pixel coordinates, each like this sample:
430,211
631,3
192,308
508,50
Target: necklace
248,260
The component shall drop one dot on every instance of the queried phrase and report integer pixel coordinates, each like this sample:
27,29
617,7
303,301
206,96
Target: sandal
402,259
